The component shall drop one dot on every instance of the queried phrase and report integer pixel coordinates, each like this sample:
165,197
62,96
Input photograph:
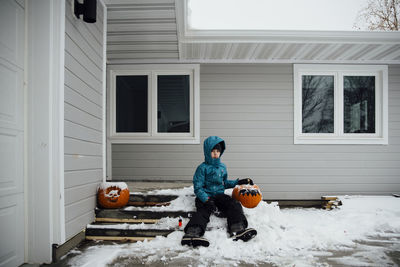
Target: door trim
45,51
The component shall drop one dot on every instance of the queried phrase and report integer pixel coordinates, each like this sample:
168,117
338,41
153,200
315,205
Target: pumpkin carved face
113,195
248,195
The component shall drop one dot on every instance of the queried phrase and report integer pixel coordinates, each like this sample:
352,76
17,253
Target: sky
331,15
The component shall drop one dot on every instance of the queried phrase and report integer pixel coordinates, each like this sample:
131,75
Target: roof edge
188,35
274,36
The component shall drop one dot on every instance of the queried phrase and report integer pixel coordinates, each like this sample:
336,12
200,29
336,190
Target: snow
286,237
163,223
120,185
246,188
183,203
177,192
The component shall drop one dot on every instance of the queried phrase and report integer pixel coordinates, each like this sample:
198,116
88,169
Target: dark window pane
317,104
359,104
173,99
131,104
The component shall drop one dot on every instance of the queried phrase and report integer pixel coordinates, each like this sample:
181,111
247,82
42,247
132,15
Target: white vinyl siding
83,122
251,107
146,30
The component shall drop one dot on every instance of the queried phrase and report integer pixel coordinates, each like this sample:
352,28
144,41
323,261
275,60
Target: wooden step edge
119,238
296,203
128,232
140,214
118,223
147,204
329,198
118,220
159,195
157,230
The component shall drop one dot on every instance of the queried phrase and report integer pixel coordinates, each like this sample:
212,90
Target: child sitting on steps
210,181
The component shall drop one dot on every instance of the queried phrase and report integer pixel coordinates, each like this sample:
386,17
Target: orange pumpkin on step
113,195
248,195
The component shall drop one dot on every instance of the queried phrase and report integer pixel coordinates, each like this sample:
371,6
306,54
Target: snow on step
181,203
163,223
119,234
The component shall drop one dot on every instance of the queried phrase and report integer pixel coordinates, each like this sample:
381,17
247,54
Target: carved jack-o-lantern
248,195
113,195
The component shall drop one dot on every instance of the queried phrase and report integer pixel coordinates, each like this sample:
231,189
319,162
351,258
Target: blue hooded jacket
211,177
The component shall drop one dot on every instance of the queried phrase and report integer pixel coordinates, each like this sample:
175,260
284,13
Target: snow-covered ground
365,231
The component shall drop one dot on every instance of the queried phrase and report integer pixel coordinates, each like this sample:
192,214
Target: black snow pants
229,208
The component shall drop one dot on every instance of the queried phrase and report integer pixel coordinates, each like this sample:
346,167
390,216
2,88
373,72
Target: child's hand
245,181
210,205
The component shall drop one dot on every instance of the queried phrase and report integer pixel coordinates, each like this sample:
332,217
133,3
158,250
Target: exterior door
12,42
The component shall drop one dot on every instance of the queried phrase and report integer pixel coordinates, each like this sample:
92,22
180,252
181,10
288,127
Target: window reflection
173,99
317,104
131,104
359,104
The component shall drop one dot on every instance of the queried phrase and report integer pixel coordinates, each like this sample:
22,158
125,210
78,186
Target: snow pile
185,191
182,203
300,237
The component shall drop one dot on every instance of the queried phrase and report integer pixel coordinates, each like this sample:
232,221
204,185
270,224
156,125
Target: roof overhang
266,46
253,46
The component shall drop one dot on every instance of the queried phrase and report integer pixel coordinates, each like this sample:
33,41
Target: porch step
125,234
140,200
136,215
108,222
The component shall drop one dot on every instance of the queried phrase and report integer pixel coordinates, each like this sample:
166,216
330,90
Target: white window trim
338,137
152,136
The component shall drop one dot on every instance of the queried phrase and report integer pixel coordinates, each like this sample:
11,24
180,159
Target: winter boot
193,238
238,232
245,235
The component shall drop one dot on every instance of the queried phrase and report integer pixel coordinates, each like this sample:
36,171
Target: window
131,103
154,104
340,104
173,103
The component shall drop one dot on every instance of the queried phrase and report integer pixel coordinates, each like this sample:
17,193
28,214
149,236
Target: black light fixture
87,9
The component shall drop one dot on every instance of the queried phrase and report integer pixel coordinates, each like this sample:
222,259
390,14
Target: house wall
83,123
251,107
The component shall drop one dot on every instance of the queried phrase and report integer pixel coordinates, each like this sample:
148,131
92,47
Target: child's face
215,153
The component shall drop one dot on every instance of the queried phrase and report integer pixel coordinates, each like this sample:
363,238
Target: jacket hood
209,143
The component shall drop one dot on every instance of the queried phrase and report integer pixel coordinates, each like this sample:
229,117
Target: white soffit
155,31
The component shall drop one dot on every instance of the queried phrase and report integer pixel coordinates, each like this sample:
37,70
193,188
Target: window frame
152,136
380,72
